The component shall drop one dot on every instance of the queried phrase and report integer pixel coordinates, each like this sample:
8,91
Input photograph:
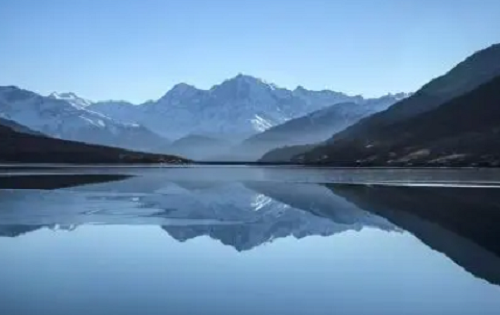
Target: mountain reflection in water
461,223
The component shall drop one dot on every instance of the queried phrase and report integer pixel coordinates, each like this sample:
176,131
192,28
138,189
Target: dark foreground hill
482,67
366,142
463,132
19,147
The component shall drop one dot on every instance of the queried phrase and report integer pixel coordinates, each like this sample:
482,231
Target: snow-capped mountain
71,98
118,109
233,110
59,118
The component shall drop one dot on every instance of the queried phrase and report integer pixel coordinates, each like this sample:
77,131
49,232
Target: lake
248,240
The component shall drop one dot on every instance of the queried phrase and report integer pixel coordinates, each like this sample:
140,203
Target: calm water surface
244,240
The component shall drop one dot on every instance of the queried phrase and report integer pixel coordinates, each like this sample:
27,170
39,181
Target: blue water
248,242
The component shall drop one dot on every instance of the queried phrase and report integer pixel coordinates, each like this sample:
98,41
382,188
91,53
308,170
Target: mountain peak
70,97
246,77
244,81
180,89
300,88
9,87
13,93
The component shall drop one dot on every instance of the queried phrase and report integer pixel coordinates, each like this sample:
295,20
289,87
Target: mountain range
452,120
231,120
233,110
204,124
67,118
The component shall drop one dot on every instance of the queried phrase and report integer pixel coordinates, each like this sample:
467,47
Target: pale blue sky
136,50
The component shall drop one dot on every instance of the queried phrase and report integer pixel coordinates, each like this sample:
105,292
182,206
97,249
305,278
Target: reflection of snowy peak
248,219
230,212
235,109
66,116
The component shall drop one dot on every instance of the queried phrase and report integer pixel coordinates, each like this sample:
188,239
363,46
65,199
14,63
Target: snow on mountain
233,110
119,110
57,117
71,98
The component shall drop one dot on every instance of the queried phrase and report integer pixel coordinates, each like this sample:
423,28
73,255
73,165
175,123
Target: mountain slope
197,147
17,127
463,132
59,118
233,110
18,147
120,110
466,76
315,127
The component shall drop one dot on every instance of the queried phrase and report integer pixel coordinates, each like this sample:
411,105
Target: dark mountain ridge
18,147
474,71
462,132
416,131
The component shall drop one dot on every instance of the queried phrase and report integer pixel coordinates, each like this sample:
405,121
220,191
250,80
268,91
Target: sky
137,50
